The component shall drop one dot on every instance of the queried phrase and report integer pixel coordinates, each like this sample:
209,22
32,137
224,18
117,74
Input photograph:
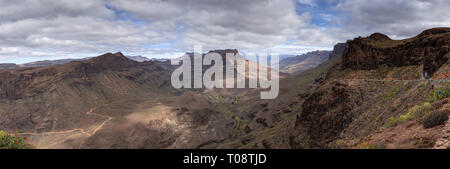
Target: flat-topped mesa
430,49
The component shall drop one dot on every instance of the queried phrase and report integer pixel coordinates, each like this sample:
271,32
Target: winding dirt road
80,130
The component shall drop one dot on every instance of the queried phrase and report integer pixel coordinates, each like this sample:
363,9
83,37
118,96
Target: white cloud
152,10
81,34
242,24
308,2
58,28
397,18
69,27
24,9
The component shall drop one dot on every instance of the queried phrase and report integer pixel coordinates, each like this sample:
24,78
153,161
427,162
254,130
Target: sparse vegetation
439,94
237,121
217,99
8,141
236,100
391,122
395,92
435,118
366,144
381,72
413,113
400,88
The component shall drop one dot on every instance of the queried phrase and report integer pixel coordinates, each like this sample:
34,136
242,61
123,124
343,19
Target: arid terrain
371,92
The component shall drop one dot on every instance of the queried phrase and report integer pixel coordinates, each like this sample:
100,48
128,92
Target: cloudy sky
33,30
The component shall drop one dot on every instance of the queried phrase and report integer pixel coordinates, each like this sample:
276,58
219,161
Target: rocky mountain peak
110,61
379,37
111,57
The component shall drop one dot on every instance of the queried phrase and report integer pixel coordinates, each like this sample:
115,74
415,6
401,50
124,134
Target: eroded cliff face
430,49
326,113
338,50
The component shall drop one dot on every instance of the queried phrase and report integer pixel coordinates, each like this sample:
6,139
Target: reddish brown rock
338,50
430,49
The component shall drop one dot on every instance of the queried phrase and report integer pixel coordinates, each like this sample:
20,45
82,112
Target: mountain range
45,63
369,92
300,63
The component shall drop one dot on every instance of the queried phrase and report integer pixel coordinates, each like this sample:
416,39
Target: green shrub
391,122
236,100
8,141
435,118
416,112
413,113
439,94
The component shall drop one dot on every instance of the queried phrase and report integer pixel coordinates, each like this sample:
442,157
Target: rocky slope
430,49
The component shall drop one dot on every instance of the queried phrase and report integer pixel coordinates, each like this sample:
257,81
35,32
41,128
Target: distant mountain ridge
138,58
300,63
45,63
38,63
